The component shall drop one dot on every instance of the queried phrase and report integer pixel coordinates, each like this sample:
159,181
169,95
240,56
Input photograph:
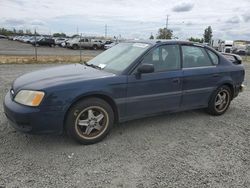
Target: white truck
78,42
226,46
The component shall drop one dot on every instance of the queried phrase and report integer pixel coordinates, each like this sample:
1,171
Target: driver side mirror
146,68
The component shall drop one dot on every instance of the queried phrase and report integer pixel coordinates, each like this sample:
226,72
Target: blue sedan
128,81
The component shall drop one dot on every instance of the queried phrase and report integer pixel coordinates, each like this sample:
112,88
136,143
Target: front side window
195,57
164,58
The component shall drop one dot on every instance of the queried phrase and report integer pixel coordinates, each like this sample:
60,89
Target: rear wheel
90,120
75,46
220,101
95,47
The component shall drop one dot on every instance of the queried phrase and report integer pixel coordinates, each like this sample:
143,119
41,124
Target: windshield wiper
92,65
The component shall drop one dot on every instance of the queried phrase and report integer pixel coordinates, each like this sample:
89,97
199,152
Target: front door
160,90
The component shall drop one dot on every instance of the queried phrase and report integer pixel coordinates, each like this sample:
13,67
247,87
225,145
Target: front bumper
33,119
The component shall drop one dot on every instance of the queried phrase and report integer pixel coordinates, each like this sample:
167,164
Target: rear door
81,43
158,91
200,75
86,43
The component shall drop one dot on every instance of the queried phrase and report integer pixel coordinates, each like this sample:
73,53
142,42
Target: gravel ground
8,47
187,149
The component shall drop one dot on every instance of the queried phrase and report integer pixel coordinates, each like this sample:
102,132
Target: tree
192,39
208,34
151,37
20,31
164,33
5,32
28,32
59,35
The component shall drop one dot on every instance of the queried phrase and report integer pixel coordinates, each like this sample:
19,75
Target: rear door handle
216,75
176,80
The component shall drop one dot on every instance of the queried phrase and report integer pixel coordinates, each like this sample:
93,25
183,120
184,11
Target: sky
229,19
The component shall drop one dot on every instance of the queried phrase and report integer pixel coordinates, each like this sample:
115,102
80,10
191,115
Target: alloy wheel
222,100
91,122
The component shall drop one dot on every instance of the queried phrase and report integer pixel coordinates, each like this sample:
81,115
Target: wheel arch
231,87
104,97
74,44
228,84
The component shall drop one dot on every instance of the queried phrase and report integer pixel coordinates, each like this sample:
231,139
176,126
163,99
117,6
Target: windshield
119,57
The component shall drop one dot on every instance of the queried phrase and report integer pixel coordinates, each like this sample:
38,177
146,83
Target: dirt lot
8,47
188,149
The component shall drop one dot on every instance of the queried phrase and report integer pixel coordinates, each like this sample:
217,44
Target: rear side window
195,57
214,57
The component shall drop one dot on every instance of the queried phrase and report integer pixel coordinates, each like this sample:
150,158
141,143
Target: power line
167,22
106,30
166,27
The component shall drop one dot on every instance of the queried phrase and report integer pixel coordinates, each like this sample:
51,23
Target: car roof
164,41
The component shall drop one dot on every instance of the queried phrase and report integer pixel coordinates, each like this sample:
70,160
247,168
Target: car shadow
134,126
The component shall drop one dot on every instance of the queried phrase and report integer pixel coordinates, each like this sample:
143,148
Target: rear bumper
242,88
32,119
238,89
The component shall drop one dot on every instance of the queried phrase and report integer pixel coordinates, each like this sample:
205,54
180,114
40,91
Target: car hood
41,79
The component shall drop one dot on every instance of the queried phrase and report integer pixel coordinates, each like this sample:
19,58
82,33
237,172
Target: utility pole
166,27
106,28
35,46
81,48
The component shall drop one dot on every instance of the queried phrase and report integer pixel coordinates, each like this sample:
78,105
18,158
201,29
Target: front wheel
90,120
220,101
95,47
75,47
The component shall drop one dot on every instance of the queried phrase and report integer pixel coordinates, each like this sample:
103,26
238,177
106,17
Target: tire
89,120
75,47
95,47
219,101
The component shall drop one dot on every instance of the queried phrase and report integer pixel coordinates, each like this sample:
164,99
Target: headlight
29,98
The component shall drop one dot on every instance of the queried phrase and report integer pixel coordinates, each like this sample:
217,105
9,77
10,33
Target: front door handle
176,80
216,75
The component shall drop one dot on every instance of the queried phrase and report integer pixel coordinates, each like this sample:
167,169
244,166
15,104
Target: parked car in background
44,42
59,41
3,37
128,81
27,39
76,43
107,46
240,51
10,37
16,37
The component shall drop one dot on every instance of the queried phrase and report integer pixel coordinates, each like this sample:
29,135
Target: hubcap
91,122
222,100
